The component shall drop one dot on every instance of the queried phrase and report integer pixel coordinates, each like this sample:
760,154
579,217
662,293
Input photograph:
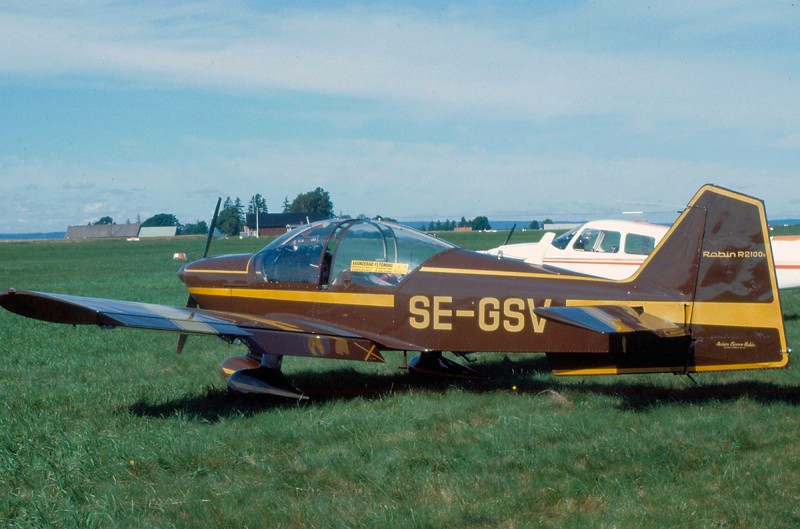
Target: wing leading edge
78,310
277,334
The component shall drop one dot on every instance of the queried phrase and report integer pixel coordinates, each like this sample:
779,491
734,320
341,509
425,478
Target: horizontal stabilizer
612,319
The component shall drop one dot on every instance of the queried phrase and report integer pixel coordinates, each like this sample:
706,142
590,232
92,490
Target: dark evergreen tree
230,217
257,204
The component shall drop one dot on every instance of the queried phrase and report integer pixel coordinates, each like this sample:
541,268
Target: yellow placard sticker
379,267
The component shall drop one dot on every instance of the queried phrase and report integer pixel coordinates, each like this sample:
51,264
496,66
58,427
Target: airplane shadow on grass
515,377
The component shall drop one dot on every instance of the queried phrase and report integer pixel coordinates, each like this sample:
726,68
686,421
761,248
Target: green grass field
113,429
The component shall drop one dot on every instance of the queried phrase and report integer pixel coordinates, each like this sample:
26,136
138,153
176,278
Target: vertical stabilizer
718,257
713,275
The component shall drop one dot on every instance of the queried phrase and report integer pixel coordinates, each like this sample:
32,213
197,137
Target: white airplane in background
614,249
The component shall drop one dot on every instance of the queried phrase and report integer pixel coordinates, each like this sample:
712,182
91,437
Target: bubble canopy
348,251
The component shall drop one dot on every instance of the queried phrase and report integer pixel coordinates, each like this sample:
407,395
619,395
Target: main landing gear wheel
432,363
248,375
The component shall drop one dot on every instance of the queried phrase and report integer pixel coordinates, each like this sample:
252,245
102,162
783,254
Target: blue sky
519,110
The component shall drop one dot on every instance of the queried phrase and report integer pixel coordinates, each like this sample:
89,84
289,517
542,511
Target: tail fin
717,250
714,275
718,257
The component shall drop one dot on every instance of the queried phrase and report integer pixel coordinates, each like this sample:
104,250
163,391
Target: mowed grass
113,429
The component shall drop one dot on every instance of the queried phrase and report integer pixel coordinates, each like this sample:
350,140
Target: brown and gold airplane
705,300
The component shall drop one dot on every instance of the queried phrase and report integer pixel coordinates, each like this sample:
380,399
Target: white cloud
406,56
93,207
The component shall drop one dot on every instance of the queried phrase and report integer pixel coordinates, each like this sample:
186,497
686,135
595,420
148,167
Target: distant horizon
505,225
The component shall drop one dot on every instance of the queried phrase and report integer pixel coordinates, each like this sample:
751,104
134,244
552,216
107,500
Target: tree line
479,223
231,220
232,215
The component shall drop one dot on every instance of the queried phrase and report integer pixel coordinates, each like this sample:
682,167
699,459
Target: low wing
77,310
613,319
276,334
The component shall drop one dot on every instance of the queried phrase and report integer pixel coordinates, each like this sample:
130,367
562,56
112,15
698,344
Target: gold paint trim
610,370
503,273
301,296
735,314
211,271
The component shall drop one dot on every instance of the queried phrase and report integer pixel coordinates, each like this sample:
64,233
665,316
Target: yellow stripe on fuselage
736,314
215,271
502,273
612,370
747,315
302,296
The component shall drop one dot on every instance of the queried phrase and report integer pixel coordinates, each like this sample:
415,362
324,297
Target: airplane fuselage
463,301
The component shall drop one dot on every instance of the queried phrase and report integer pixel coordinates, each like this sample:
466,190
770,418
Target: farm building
119,231
157,231
271,224
103,231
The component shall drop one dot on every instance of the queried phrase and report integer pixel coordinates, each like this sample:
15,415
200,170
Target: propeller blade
212,228
514,227
191,302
